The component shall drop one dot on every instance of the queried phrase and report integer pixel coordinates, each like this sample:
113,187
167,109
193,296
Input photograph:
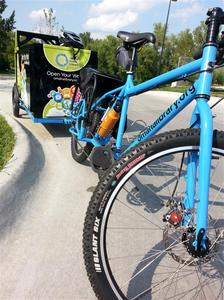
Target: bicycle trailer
47,76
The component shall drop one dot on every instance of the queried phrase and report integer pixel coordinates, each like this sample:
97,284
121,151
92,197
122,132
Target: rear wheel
81,150
15,101
132,250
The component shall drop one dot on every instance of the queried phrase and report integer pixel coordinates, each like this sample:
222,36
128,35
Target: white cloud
111,6
189,1
36,15
187,12
111,15
111,22
43,25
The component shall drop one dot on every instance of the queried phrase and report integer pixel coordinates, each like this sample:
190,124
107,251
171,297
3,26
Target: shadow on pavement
18,192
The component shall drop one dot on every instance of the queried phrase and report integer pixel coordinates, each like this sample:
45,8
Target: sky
103,17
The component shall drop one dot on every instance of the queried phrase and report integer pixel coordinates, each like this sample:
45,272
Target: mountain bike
154,228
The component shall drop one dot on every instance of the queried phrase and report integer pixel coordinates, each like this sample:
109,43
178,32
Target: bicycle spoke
134,228
157,254
200,284
157,257
132,209
174,274
148,188
167,182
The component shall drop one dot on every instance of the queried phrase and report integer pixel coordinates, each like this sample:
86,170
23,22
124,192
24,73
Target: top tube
172,75
128,90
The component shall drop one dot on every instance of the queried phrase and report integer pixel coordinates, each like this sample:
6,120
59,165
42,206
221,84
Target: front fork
203,171
203,114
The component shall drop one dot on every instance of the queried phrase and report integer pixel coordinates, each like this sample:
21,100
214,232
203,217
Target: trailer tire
15,101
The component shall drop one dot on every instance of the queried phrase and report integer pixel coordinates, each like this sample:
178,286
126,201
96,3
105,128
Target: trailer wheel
15,101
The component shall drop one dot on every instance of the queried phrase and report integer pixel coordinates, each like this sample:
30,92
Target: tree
185,44
50,20
106,49
199,35
6,26
8,23
87,40
159,33
48,23
147,64
170,53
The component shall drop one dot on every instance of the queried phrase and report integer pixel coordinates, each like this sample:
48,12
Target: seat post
134,52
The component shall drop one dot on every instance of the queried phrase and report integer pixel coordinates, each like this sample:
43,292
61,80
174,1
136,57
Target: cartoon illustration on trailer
60,102
24,94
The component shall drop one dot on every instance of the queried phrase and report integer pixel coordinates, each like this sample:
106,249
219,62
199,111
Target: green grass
7,142
180,89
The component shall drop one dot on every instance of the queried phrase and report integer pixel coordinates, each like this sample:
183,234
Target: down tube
166,116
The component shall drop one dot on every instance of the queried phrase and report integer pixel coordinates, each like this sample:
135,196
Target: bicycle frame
200,91
124,93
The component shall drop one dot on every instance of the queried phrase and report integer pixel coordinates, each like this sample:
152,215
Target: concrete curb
20,176
21,153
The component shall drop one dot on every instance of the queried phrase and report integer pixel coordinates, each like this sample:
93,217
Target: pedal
101,158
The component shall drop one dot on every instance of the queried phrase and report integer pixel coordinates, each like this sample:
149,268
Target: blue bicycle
154,228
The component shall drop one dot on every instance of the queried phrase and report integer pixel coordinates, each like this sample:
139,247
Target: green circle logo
62,60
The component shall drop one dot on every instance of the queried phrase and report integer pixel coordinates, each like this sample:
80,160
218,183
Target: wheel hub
197,248
200,251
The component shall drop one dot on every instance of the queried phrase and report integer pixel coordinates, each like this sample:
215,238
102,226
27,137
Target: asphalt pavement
42,210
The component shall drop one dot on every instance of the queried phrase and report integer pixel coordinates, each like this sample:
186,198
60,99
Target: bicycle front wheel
132,250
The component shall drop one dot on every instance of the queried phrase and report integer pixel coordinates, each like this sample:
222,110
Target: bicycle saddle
136,39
